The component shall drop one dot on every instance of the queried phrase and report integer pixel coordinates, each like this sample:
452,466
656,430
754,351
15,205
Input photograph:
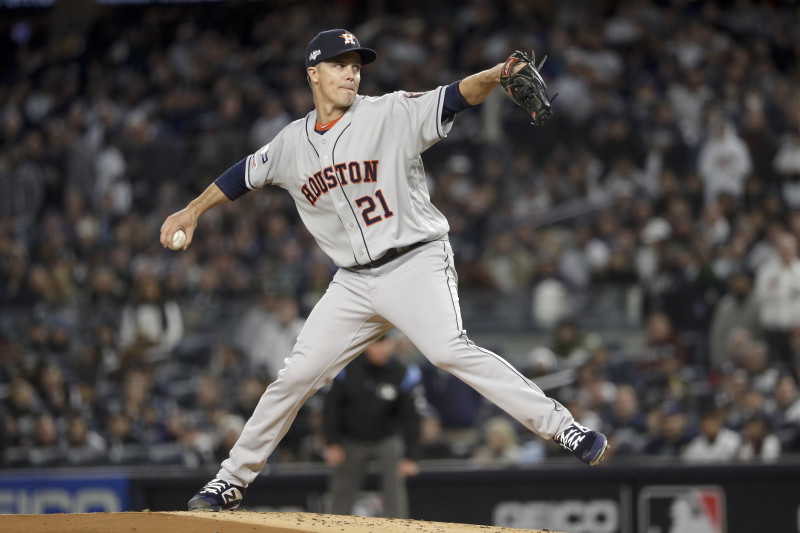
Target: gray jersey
360,188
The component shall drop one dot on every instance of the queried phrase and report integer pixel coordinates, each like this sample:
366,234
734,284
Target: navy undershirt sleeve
453,101
231,182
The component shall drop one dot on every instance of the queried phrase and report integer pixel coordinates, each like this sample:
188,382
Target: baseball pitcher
353,166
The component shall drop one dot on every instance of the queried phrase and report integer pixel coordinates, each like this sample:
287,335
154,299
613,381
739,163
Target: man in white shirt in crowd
778,296
715,443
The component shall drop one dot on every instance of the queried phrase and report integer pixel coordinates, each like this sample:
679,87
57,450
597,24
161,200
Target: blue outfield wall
610,499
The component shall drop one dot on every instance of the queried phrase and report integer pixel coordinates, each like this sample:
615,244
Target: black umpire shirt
369,403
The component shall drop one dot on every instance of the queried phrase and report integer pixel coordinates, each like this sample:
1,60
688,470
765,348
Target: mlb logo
679,509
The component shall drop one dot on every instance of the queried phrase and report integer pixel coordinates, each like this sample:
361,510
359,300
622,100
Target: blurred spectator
457,405
228,430
624,179
272,120
499,446
54,390
248,393
4,432
760,139
593,391
626,422
724,160
673,432
85,447
269,341
785,410
209,403
583,414
762,373
107,346
540,361
662,342
229,367
192,446
23,407
736,309
585,256
507,263
777,293
46,449
432,444
759,443
124,447
654,236
667,148
787,165
106,292
688,97
152,324
250,324
311,446
663,370
714,226
746,405
570,344
14,289
735,353
550,300
715,443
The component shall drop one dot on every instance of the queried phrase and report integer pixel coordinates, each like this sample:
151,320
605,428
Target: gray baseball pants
417,293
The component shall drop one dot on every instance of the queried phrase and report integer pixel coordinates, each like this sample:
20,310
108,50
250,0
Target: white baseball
178,239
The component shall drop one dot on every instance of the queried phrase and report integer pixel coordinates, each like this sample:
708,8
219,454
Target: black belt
390,255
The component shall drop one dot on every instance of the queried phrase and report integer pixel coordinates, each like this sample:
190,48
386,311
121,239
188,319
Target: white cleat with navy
587,445
217,495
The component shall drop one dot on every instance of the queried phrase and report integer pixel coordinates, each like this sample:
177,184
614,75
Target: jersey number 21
367,211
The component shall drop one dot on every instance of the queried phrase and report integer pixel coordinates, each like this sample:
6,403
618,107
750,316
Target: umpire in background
372,412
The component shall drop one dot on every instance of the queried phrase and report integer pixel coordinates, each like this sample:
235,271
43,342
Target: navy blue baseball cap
331,43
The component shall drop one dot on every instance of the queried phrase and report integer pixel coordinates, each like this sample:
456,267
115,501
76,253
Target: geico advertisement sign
63,493
44,501
575,516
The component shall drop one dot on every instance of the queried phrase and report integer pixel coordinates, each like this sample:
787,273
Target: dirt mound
229,522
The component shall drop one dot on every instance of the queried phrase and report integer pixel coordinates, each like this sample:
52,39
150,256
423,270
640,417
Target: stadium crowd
671,165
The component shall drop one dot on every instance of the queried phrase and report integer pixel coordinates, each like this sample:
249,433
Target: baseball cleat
587,445
217,495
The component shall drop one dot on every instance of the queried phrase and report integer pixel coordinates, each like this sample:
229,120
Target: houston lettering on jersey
339,175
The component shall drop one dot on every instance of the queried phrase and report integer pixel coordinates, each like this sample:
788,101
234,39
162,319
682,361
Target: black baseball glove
526,87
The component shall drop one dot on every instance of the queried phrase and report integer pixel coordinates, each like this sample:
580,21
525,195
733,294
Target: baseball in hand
178,240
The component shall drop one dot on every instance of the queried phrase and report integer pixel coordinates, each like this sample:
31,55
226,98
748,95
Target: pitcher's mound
229,522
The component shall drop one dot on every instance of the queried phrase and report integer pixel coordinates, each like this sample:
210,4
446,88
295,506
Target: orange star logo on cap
348,37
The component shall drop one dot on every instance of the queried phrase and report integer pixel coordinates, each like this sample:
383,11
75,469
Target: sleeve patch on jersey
415,95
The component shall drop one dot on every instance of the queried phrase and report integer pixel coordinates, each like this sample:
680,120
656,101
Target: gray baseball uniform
360,189
359,186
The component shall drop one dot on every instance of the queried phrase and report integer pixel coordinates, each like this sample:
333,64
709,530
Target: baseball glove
526,87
